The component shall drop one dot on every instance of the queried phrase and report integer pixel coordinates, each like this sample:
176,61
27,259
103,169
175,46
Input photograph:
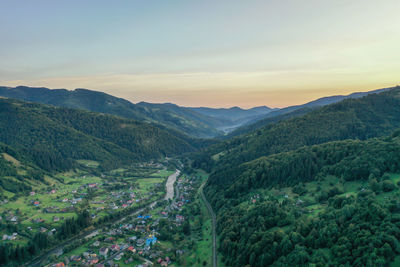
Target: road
39,260
213,224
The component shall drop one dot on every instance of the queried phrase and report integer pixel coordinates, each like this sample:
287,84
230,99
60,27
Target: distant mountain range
199,122
191,121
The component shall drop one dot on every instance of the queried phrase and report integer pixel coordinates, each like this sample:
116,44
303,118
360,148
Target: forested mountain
328,205
52,139
288,193
295,111
235,116
370,116
234,113
269,120
197,122
183,120
189,121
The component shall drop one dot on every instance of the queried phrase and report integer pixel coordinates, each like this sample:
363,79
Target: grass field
89,163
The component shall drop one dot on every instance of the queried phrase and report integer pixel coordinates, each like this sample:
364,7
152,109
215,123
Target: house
32,193
104,252
65,200
56,219
94,261
96,243
60,264
38,220
115,247
75,258
53,191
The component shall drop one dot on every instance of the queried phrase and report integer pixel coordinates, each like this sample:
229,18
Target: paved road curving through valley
213,222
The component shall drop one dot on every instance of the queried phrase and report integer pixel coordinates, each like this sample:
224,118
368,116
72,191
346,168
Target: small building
115,247
103,252
119,256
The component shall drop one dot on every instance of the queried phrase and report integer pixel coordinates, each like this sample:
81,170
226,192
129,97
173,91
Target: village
133,241
46,208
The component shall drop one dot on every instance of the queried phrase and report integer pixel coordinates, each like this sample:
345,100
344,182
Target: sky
202,53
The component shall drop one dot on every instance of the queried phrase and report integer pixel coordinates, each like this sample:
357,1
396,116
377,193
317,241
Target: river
170,185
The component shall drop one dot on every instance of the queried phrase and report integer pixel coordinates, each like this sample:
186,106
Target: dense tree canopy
350,230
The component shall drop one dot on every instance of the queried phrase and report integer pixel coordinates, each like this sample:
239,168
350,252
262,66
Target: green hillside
171,116
45,138
325,205
293,193
363,118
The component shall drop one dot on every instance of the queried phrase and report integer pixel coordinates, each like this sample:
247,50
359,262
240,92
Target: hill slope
295,111
370,116
54,138
197,122
171,116
286,195
319,205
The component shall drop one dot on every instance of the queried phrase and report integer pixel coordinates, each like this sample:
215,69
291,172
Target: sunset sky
202,53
